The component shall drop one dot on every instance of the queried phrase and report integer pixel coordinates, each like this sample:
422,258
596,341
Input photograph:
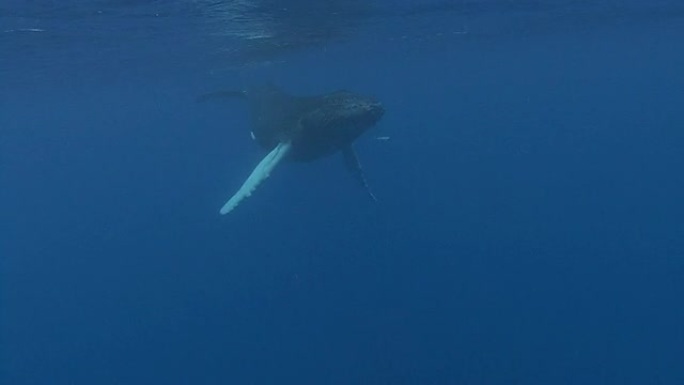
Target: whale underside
302,129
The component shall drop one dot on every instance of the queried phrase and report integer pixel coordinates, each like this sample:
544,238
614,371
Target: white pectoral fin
258,175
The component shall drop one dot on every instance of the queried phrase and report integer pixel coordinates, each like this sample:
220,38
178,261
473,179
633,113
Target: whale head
337,121
352,110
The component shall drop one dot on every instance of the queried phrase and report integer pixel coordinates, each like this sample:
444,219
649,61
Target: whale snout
375,111
364,111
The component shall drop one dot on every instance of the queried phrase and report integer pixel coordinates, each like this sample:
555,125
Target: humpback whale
302,129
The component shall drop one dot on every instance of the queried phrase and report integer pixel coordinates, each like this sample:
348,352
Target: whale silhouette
302,129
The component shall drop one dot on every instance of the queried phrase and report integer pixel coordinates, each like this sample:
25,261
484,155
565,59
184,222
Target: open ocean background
530,224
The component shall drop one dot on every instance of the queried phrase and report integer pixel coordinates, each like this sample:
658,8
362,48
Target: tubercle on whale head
371,110
354,108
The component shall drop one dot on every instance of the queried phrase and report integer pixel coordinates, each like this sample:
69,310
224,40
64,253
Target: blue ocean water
529,228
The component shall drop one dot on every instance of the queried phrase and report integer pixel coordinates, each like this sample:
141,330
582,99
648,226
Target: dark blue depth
529,228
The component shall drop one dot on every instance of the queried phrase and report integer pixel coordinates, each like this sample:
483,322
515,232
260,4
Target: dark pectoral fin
221,95
354,166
